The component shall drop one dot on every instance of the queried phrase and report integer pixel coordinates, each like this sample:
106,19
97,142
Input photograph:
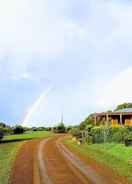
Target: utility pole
62,121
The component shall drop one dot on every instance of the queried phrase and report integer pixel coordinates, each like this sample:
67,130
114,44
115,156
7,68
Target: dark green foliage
129,128
39,129
2,125
124,106
128,139
97,135
1,134
118,137
5,128
60,128
35,129
68,128
104,134
74,131
86,122
18,130
109,134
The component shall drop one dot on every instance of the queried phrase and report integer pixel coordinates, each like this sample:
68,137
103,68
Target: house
118,117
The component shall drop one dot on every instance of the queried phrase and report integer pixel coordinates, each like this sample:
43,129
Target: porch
114,118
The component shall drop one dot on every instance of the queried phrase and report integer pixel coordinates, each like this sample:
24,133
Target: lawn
7,155
115,156
9,148
27,135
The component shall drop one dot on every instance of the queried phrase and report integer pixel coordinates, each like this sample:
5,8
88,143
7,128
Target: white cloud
48,28
28,27
36,36
69,102
116,91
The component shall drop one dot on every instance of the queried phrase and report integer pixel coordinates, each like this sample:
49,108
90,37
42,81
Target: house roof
127,111
124,110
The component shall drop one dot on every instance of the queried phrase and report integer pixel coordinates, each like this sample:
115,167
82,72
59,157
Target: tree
18,130
1,134
61,128
3,125
75,131
124,106
87,121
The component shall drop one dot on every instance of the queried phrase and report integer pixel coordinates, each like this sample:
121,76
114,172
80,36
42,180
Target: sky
81,50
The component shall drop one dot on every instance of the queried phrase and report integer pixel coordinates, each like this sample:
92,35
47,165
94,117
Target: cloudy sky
81,50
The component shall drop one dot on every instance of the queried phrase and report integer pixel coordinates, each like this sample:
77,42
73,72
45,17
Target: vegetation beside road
27,135
8,153
9,147
115,156
104,143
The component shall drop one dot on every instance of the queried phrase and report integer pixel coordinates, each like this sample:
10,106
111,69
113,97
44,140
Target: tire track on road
44,178
57,167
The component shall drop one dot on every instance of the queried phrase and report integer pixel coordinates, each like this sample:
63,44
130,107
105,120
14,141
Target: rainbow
35,106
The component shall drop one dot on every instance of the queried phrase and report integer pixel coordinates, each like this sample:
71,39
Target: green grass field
28,135
7,155
8,151
115,156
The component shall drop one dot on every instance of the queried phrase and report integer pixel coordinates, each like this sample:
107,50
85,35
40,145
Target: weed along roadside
112,156
8,152
88,153
9,149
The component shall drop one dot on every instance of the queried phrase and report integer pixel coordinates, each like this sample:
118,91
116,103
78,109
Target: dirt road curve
48,161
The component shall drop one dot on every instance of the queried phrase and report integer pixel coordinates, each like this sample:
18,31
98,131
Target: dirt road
48,161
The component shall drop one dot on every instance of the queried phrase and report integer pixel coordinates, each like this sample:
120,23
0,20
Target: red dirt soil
101,169
26,168
22,172
59,170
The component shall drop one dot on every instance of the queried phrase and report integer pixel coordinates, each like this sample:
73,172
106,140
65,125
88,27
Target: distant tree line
18,129
124,106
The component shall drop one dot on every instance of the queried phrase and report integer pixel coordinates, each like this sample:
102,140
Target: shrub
86,122
18,130
35,129
109,134
97,135
60,128
74,131
128,127
128,139
1,134
120,135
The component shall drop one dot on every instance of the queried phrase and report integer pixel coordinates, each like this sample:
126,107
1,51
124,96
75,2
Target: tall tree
124,106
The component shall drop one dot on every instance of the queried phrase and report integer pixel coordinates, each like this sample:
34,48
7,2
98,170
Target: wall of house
114,121
128,121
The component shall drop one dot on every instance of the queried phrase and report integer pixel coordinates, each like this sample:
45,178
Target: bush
97,135
1,134
109,134
128,140
128,127
120,135
60,128
86,122
18,130
35,129
74,131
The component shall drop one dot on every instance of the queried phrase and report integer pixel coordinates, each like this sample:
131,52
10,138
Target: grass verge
27,135
115,156
9,148
8,153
